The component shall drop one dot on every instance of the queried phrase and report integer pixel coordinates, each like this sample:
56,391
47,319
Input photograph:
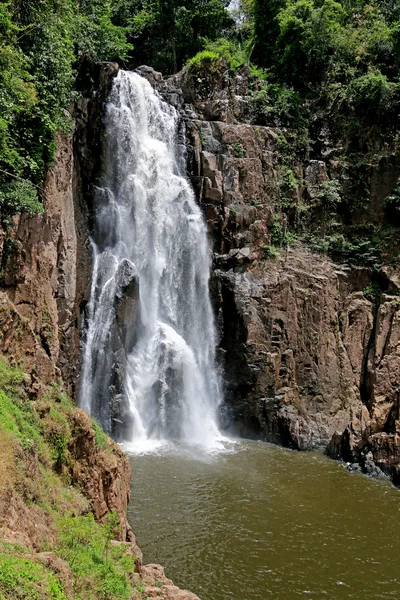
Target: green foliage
56,430
340,57
238,150
266,31
278,106
288,184
16,414
292,145
24,579
307,35
100,570
202,59
11,378
281,237
167,34
217,56
243,15
97,36
41,45
45,424
372,291
329,194
269,251
352,249
17,197
100,437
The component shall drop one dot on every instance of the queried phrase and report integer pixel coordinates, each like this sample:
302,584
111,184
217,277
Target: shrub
279,106
269,251
18,197
238,150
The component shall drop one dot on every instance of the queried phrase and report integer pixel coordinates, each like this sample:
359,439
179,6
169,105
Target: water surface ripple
263,522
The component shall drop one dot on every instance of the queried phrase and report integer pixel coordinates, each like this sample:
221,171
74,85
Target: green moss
238,150
18,421
11,378
218,54
201,59
373,291
100,438
269,251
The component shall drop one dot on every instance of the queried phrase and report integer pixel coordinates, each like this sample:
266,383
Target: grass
25,579
101,570
6,462
100,438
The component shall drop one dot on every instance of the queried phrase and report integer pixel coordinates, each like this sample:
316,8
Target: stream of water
263,522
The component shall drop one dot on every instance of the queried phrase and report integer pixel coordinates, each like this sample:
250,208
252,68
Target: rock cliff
310,356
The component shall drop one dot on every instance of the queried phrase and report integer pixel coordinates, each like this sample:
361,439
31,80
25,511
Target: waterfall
149,355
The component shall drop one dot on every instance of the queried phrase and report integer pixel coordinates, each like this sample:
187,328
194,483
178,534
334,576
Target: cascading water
149,356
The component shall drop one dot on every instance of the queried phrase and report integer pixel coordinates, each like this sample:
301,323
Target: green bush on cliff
41,47
342,58
277,105
18,197
167,34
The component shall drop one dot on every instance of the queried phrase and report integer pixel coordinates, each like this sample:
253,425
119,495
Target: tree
266,31
166,33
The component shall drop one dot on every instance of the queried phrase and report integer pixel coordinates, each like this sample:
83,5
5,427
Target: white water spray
151,233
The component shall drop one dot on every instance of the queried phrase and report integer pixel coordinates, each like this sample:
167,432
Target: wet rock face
127,304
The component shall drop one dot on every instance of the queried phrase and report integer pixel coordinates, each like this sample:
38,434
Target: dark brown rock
103,474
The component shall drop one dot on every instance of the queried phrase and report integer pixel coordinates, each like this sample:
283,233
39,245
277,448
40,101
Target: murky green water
263,522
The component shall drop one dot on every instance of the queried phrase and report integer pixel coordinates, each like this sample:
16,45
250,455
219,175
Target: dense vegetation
325,66
340,56
41,45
